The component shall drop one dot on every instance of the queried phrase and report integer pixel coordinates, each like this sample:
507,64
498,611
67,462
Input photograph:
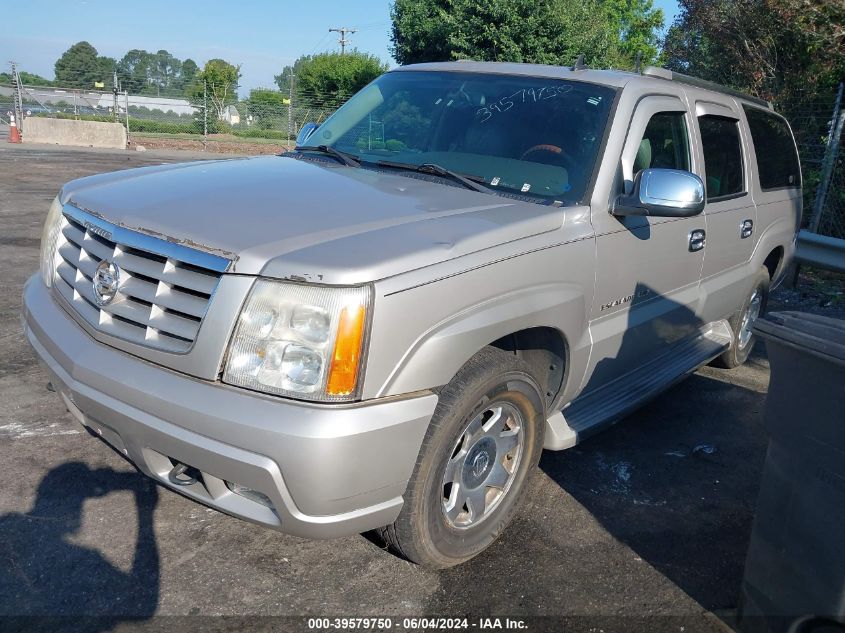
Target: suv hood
308,220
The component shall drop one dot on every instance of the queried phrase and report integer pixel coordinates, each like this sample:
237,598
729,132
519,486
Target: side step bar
602,407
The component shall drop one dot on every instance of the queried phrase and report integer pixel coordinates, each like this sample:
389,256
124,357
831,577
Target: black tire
738,353
422,533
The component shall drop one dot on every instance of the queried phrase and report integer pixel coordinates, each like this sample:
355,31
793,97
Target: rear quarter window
777,160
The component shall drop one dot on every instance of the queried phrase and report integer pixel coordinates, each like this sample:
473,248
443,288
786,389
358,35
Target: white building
165,104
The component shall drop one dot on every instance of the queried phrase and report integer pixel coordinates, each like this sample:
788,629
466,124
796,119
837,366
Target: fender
439,352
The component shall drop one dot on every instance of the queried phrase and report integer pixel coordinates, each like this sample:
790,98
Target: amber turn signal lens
343,373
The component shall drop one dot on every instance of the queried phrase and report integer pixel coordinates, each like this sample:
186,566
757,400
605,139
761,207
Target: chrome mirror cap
663,192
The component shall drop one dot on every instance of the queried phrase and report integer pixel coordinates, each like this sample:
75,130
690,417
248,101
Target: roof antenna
638,62
579,63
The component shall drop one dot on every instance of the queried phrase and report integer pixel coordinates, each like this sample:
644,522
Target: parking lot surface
651,518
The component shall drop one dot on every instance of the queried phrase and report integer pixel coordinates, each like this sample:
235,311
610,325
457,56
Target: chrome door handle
746,228
696,240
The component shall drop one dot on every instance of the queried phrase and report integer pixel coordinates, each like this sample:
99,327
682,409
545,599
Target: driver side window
665,143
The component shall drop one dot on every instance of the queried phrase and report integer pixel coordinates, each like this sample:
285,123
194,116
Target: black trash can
796,560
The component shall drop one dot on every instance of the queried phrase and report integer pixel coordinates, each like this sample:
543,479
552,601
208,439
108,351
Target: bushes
164,127
103,118
258,133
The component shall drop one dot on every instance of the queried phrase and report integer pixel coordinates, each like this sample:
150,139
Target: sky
261,35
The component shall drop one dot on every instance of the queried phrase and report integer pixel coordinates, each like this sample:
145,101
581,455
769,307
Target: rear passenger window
722,156
777,161
664,144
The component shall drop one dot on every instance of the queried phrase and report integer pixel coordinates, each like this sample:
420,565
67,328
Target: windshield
533,136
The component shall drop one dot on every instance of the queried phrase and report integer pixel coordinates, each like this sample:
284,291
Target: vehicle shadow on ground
678,481
42,573
675,484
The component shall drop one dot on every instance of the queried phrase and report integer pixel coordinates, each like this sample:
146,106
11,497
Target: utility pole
114,93
126,105
343,30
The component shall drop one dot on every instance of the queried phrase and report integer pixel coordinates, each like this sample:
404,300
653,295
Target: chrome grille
161,298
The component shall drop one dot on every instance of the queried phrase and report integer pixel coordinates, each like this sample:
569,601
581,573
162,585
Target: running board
601,408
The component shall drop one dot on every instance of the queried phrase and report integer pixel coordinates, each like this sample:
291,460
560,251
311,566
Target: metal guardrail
821,251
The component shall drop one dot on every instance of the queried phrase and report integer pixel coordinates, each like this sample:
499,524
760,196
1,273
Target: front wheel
484,440
742,323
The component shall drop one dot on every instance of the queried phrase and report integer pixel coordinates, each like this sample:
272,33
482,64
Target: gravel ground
815,291
651,518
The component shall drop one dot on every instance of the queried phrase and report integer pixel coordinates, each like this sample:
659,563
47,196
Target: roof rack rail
664,73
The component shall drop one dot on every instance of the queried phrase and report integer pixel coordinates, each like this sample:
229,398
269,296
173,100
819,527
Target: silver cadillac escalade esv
382,329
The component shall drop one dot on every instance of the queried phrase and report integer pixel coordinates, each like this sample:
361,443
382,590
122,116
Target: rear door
730,212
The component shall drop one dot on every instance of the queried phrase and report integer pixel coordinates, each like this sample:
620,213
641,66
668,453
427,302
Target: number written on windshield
526,95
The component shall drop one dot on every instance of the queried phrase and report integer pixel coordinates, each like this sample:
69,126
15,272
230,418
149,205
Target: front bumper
327,470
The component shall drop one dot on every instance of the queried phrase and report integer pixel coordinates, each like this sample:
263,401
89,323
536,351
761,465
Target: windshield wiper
437,170
347,159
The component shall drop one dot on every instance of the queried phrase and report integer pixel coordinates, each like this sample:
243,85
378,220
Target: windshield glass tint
530,135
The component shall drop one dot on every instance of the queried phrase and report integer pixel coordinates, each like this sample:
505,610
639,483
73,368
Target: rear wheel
742,323
483,442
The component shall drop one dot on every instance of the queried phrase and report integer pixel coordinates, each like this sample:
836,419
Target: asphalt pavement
649,519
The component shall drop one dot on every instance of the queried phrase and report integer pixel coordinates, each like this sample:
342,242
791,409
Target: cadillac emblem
106,282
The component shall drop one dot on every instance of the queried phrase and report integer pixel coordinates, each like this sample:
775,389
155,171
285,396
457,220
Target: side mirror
307,130
670,193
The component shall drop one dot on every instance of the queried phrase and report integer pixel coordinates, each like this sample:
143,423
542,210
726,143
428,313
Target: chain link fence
817,124
832,214
267,117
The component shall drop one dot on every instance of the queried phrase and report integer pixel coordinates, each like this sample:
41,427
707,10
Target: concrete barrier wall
71,132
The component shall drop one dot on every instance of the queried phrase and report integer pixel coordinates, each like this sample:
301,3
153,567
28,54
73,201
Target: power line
343,30
319,43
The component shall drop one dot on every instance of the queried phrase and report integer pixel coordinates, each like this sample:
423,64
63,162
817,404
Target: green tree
268,107
781,50
283,78
133,71
422,31
189,73
220,78
535,31
330,78
167,71
639,25
105,69
160,73
80,67
27,79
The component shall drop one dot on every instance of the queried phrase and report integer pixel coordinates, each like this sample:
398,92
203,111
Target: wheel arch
774,261
546,351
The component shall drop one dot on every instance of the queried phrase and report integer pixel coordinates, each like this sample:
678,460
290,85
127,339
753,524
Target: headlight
49,239
300,341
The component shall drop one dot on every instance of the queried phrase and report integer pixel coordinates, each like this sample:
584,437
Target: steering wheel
542,147
569,163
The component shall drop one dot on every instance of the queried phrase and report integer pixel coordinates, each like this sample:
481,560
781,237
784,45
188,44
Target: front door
648,268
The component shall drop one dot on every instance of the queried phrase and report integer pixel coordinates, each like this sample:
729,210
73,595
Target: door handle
746,228
696,240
